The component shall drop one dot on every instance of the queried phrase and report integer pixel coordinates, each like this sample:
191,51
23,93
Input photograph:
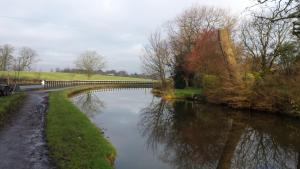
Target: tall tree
262,39
90,62
206,55
156,58
213,54
6,56
282,9
288,10
24,61
185,30
27,57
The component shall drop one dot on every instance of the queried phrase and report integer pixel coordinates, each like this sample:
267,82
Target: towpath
22,139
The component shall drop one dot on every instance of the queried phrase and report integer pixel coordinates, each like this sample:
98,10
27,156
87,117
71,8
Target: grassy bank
63,76
74,141
187,92
9,105
178,93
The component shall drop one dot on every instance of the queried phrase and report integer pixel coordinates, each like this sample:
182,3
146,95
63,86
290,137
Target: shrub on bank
210,81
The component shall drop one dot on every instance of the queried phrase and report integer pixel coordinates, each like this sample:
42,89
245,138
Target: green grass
187,92
64,76
8,105
177,93
74,141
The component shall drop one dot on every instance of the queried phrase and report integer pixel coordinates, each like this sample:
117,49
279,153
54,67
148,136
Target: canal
150,133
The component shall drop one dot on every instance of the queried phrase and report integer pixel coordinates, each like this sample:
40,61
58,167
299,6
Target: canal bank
288,108
195,94
74,142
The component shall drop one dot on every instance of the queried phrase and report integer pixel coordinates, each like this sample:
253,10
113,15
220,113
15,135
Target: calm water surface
149,133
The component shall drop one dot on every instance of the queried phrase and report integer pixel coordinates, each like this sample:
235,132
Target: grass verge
74,141
8,105
187,92
64,76
170,94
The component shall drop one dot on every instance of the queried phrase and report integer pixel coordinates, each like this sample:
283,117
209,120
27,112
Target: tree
6,56
27,57
262,40
156,58
282,9
288,10
289,54
90,62
205,55
185,30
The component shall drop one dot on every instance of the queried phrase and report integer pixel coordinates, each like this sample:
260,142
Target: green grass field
8,105
63,76
74,141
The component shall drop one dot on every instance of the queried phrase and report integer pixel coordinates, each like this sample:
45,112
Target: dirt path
22,142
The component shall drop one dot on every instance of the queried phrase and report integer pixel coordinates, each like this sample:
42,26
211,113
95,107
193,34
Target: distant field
64,76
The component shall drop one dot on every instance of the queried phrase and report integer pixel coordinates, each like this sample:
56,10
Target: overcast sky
59,30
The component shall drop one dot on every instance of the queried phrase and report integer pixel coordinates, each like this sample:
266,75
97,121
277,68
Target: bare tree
186,29
282,9
27,57
262,39
288,10
24,61
6,56
90,62
90,103
156,58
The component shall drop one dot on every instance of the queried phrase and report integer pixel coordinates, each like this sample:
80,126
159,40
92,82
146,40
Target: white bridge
120,83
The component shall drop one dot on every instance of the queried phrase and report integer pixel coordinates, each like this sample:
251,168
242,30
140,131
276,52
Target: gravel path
22,142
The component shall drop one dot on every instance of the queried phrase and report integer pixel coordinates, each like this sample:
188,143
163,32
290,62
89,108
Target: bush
249,79
178,78
277,93
210,81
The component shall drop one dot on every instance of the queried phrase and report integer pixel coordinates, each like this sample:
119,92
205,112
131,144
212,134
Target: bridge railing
70,83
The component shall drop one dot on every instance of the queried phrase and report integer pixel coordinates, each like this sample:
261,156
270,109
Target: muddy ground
22,139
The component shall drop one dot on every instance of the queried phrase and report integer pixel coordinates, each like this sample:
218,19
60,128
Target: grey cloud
61,30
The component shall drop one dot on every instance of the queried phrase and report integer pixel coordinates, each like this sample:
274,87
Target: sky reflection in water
149,133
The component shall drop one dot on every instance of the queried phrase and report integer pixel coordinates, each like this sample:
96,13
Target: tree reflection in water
89,103
194,136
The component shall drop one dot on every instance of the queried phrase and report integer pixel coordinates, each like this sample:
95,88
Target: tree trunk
229,55
233,139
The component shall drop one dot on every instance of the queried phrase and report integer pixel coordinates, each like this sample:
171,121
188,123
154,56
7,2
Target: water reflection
187,135
204,136
89,103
